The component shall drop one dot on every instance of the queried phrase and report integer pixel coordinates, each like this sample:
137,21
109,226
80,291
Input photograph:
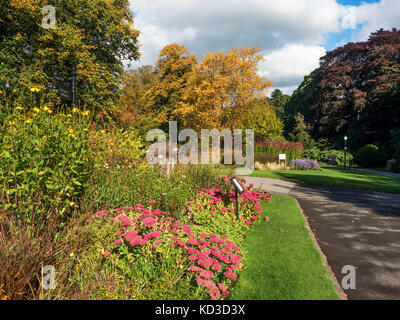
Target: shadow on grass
339,178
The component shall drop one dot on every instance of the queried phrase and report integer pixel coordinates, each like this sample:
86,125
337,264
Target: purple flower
304,164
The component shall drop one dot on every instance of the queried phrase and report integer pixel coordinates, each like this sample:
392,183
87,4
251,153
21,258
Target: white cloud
288,65
211,25
373,16
291,33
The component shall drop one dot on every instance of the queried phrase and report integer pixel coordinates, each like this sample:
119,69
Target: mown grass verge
283,263
336,178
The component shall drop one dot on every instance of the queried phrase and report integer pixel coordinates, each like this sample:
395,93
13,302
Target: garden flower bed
203,248
304,164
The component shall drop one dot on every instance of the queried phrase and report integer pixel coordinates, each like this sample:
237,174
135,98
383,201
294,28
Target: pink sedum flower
149,222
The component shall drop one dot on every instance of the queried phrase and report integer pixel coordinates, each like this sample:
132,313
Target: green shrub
44,162
125,186
321,156
369,156
114,148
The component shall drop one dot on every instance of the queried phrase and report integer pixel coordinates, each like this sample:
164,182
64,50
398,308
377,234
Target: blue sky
292,34
354,2
345,36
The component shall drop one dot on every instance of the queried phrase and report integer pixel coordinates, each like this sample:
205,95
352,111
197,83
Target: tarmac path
352,227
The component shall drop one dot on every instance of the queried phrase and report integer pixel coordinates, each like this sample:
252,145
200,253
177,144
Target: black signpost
66,91
58,78
238,190
52,87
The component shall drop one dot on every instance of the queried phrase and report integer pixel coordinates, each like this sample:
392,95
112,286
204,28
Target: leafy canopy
262,118
220,88
355,91
95,36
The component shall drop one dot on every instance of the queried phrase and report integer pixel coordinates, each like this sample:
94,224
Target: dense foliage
95,36
44,162
217,92
279,102
173,70
262,118
355,91
322,156
293,150
369,156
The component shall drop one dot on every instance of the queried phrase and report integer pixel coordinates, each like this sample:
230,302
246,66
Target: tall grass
271,150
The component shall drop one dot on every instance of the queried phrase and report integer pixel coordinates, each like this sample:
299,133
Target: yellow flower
37,110
71,254
3,295
75,110
19,108
28,121
35,89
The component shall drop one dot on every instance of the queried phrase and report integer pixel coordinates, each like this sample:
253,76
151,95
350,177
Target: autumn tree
220,88
173,69
355,91
262,118
133,112
95,36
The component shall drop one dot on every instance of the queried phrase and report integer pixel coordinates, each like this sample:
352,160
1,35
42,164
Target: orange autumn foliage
219,89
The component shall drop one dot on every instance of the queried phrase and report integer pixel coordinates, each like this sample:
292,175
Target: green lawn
336,178
282,261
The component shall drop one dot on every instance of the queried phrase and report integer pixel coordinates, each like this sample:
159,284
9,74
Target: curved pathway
352,227
382,173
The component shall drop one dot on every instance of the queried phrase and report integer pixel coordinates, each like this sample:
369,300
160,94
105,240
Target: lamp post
345,150
73,86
